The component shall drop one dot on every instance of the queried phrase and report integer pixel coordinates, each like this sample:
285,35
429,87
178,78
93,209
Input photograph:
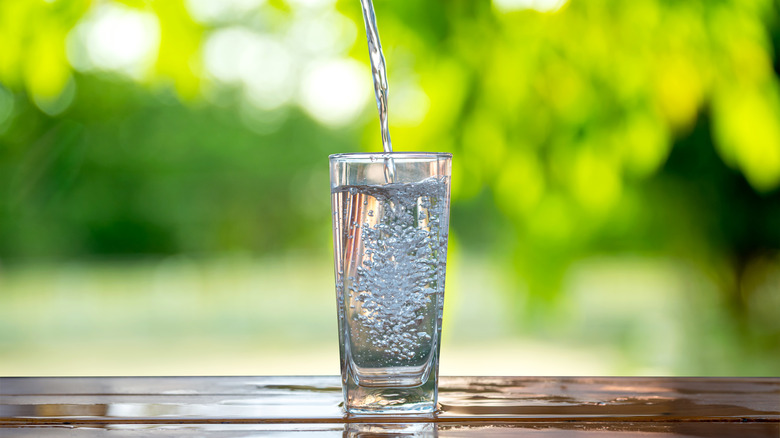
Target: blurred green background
164,204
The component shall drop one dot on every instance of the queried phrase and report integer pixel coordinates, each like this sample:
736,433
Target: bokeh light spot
409,105
115,38
267,72
322,34
335,92
210,11
537,5
223,51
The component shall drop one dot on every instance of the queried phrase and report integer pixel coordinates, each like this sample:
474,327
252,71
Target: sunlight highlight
260,64
115,38
210,11
537,5
334,92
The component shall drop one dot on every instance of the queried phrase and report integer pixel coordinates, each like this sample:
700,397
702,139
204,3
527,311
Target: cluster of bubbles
395,291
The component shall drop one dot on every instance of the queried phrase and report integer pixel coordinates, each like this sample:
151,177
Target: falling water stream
379,75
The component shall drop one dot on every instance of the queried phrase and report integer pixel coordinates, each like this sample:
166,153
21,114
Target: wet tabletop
469,406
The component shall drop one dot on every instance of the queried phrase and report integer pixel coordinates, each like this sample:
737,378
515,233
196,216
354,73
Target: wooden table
470,406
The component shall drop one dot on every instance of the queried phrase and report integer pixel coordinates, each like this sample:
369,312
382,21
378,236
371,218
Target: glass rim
358,156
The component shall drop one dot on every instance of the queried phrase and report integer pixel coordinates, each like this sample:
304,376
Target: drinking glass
390,228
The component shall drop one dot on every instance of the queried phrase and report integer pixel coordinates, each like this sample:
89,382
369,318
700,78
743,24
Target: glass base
375,400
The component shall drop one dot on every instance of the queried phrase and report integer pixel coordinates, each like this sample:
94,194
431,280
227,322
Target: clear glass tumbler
390,228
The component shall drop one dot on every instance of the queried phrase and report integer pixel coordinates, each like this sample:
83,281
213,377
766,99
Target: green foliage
646,127
125,176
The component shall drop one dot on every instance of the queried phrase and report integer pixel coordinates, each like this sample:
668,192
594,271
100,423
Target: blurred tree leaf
179,52
628,126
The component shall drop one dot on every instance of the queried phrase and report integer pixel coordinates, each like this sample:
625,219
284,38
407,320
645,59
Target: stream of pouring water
379,74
